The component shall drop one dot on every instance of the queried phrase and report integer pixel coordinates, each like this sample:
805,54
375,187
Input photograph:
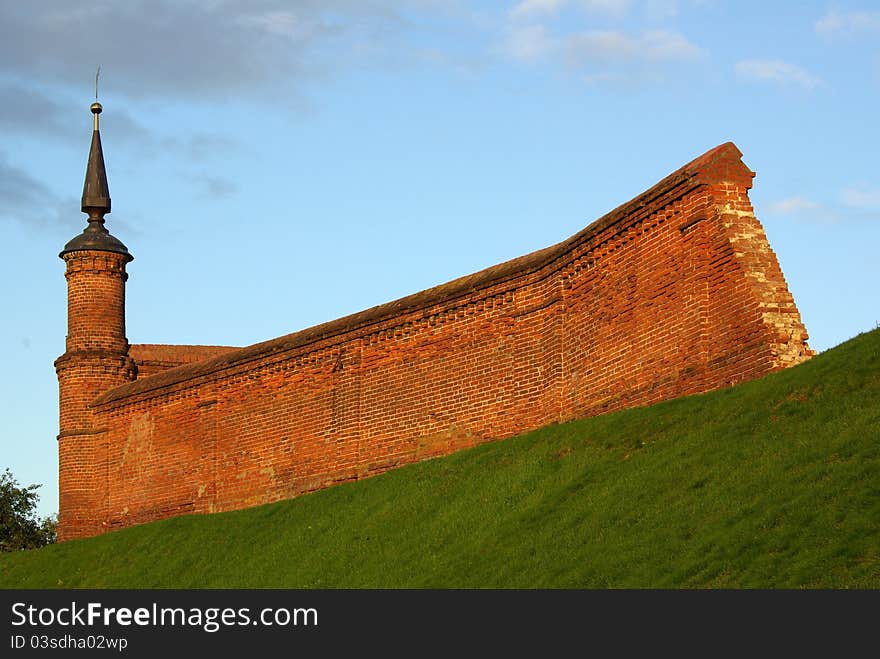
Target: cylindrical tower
96,357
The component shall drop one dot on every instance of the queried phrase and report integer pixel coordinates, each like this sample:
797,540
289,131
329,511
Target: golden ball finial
96,108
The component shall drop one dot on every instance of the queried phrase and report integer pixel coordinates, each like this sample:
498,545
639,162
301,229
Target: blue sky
276,164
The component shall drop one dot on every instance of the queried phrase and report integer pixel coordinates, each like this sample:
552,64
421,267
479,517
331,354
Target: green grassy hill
770,484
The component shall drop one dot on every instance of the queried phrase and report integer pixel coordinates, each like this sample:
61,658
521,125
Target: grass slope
774,483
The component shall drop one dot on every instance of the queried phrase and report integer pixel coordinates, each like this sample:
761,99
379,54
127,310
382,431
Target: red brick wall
674,292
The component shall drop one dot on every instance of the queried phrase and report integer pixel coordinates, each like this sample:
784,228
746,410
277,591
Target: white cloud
776,71
527,42
668,45
533,31
609,45
834,23
616,46
609,7
856,202
534,8
861,197
658,10
794,205
585,49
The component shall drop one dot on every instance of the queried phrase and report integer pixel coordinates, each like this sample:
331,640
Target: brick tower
96,356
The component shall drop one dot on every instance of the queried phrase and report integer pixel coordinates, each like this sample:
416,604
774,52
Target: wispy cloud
652,10
538,9
588,49
203,146
861,197
29,110
535,31
661,9
608,7
30,202
794,205
854,203
187,49
776,71
532,9
528,42
652,46
213,188
834,23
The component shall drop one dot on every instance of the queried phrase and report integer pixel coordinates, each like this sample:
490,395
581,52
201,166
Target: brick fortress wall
673,293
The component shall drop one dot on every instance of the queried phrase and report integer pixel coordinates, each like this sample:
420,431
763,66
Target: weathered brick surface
152,358
673,293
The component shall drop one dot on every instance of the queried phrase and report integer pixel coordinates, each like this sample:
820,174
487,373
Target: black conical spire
96,201
96,192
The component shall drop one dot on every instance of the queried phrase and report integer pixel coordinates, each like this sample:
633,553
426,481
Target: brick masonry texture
152,358
673,293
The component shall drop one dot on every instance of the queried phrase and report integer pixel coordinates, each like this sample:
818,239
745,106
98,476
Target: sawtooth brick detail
152,358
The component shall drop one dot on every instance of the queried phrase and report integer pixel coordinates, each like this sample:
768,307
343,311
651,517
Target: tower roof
96,192
96,201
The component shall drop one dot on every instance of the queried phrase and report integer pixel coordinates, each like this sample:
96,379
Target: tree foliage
19,526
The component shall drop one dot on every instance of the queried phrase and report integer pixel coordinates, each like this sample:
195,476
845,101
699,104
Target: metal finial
97,73
96,110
